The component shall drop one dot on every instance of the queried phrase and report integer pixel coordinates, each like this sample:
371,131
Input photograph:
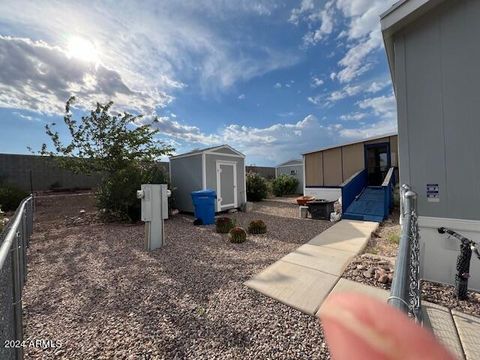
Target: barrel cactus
257,227
224,224
237,235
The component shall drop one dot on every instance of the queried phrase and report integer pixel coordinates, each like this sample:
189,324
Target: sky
273,79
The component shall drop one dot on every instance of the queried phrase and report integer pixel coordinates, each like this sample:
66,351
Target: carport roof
352,142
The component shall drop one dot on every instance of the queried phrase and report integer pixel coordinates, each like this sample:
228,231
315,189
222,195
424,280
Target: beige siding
332,165
314,169
342,162
353,159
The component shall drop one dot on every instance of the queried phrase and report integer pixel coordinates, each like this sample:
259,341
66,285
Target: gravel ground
384,241
363,269
92,288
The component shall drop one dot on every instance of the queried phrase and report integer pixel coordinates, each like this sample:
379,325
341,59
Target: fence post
17,295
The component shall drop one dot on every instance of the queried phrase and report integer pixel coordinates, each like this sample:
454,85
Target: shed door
226,185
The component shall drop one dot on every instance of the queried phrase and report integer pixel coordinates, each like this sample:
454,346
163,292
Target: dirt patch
385,239
433,292
93,288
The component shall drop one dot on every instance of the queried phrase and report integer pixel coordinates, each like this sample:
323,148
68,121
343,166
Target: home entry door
377,160
226,185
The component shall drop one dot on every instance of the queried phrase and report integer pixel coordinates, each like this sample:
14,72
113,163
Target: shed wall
211,173
353,159
186,176
314,169
333,166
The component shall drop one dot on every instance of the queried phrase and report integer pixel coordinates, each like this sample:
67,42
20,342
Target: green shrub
224,224
11,197
117,194
237,235
257,227
256,187
284,185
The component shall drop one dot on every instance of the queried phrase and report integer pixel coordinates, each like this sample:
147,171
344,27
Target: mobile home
433,53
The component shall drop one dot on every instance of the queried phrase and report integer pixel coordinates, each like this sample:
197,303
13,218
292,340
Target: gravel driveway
92,288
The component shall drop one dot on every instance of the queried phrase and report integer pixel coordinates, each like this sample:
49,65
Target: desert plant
121,147
257,227
11,196
394,238
256,187
237,235
284,185
224,224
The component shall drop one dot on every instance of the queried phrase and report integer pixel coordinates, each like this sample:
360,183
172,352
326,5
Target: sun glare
82,49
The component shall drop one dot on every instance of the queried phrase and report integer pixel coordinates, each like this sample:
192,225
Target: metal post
405,292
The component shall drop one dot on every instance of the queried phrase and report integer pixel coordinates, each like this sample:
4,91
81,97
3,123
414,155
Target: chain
414,291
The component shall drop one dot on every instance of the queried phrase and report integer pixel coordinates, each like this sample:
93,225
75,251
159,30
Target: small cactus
257,227
223,225
237,235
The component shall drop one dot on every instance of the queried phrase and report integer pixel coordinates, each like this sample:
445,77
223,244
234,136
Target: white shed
434,53
293,168
220,168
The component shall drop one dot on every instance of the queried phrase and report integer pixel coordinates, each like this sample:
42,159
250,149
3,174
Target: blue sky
271,78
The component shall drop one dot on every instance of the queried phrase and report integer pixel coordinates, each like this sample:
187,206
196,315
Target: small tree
257,189
116,147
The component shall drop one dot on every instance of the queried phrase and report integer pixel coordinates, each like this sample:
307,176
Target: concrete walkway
455,330
304,278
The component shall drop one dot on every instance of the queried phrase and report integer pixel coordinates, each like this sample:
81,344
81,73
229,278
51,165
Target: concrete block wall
45,173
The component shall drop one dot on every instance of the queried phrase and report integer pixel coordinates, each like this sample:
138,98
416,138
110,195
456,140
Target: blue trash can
204,204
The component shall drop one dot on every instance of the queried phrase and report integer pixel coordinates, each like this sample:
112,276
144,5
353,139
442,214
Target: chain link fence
14,241
406,294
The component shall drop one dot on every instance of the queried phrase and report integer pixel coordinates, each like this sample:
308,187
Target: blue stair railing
368,203
352,187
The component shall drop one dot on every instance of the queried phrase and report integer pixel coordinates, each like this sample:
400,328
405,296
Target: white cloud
39,77
377,86
160,45
312,16
316,82
241,97
362,35
355,116
26,117
383,106
277,85
267,145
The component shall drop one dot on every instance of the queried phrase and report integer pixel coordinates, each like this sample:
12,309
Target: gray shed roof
206,150
353,142
291,163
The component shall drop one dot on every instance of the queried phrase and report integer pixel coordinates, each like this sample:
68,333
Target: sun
82,49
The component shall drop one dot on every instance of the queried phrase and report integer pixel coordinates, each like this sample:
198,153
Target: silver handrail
13,252
13,227
405,293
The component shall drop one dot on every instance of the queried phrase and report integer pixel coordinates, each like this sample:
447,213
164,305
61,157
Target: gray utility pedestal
154,210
